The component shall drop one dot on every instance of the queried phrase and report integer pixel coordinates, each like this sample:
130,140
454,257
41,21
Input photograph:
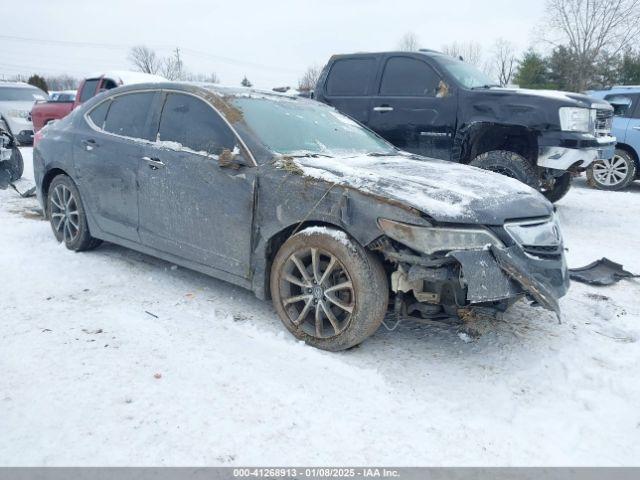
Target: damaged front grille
544,252
539,239
604,122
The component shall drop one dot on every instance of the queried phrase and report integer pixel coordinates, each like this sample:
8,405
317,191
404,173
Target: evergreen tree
630,69
533,71
562,65
246,83
38,81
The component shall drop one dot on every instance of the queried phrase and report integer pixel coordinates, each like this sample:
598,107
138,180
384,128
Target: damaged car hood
445,191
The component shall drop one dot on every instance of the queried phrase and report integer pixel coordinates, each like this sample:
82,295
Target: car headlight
18,113
574,119
430,240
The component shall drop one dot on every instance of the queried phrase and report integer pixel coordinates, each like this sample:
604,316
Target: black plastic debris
601,272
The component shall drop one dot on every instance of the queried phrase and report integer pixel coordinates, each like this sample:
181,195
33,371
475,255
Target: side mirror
231,159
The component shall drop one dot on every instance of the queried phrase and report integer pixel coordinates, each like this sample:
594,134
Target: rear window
350,77
128,114
99,113
404,76
88,89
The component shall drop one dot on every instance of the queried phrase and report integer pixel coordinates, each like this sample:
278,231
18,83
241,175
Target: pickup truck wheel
66,214
510,164
16,165
613,174
558,188
327,290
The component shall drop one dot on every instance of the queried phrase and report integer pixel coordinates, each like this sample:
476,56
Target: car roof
16,84
619,89
423,51
220,90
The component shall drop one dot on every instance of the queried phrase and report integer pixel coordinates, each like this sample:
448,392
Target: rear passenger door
349,86
190,206
415,109
106,158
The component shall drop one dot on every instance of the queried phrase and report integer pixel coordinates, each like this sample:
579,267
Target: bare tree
202,77
503,62
409,42
309,80
144,59
62,82
470,52
591,28
172,67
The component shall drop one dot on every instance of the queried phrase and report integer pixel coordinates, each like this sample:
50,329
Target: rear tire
560,188
67,215
509,164
328,291
614,174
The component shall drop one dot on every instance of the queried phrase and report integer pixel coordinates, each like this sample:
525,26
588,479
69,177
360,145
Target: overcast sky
271,42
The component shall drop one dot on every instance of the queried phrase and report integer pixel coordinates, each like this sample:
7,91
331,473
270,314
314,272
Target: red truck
45,112
57,106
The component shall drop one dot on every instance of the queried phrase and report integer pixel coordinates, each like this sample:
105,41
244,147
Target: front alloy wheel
613,173
317,293
328,290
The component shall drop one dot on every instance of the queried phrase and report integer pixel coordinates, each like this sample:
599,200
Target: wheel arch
482,137
273,244
46,182
631,151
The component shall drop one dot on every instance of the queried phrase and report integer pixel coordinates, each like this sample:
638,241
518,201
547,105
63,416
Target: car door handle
154,163
89,144
383,108
636,128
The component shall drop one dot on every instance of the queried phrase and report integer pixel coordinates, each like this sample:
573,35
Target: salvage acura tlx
291,199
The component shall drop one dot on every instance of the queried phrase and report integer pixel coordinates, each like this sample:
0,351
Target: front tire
613,174
327,290
16,165
509,164
559,188
67,215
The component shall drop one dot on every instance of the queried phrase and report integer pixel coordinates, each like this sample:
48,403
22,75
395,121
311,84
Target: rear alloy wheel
67,217
612,174
327,290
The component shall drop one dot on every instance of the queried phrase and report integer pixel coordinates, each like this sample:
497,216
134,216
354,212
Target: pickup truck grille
604,121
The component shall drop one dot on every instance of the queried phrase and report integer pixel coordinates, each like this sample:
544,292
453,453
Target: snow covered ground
115,358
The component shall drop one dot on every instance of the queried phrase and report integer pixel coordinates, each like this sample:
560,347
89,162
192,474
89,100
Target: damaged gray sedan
291,199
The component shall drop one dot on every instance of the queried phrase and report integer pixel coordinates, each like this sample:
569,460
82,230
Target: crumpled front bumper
566,150
502,273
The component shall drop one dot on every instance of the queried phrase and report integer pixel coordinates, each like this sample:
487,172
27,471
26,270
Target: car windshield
19,94
467,75
300,127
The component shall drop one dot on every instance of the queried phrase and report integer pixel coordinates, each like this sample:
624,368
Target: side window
636,101
622,105
350,77
88,90
108,84
404,76
192,123
128,114
98,114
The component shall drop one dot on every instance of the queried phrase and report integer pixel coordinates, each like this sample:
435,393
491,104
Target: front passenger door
190,206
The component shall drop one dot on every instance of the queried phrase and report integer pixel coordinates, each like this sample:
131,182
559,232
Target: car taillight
37,137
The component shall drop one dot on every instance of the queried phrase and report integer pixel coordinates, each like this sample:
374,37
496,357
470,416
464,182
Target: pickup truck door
414,108
633,127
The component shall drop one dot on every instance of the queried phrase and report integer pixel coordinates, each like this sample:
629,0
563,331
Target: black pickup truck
435,105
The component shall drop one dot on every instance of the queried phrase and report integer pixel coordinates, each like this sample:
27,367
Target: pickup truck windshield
298,127
467,75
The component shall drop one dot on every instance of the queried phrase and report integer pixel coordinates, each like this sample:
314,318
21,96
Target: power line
113,46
